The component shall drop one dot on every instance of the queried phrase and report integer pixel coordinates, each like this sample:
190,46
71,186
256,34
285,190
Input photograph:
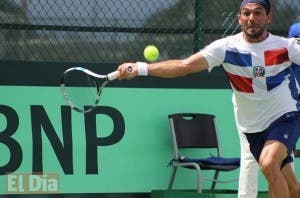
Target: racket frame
109,77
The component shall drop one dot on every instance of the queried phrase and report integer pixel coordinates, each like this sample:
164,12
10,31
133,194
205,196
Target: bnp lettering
32,183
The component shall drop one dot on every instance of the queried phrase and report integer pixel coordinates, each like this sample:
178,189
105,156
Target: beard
254,34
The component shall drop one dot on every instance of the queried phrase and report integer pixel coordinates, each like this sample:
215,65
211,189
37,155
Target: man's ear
270,17
238,18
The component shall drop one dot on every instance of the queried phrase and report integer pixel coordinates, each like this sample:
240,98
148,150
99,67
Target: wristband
142,68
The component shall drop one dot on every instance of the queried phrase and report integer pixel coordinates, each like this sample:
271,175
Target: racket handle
113,75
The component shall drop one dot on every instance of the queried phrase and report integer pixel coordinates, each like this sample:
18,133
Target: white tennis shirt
260,75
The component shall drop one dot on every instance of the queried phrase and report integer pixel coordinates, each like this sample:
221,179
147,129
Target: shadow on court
153,194
205,194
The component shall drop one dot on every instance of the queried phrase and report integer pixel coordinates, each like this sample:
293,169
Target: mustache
253,25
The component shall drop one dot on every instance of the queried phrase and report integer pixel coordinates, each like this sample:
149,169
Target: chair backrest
194,130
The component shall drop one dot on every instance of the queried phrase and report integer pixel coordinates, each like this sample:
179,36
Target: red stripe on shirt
241,83
275,57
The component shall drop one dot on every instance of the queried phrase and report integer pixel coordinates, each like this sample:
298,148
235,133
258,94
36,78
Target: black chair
198,131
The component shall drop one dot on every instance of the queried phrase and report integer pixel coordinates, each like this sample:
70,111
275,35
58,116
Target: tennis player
265,99
248,182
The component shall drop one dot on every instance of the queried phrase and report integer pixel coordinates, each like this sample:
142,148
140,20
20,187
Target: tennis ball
151,53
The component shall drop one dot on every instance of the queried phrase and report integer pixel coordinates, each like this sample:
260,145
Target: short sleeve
294,50
214,53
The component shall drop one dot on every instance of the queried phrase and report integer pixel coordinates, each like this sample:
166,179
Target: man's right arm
167,69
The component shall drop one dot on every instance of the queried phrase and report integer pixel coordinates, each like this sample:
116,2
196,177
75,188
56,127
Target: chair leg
213,184
199,182
172,178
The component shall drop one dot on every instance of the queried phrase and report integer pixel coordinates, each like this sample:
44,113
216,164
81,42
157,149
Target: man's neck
249,39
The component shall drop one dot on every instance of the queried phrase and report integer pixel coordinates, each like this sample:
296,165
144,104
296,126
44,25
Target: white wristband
142,68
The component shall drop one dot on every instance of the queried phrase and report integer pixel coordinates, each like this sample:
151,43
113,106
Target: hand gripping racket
82,88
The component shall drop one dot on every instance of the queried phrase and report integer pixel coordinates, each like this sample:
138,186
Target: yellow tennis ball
151,53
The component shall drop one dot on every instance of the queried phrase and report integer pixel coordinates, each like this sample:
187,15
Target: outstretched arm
166,69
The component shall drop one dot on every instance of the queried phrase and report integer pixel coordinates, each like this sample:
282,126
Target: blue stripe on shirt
274,81
295,79
238,59
296,71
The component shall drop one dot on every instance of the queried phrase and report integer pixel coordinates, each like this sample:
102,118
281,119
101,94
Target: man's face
254,20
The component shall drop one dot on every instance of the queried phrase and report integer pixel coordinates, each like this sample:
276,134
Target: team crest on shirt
258,71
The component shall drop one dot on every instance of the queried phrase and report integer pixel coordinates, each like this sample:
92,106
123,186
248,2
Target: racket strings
81,91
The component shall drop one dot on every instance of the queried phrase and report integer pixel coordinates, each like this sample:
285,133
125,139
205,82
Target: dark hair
264,3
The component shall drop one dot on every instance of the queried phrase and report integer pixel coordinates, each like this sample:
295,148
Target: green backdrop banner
123,146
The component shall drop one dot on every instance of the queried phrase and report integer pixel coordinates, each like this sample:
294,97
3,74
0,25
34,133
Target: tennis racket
82,88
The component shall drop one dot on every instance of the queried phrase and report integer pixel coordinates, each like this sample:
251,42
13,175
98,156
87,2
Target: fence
118,30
